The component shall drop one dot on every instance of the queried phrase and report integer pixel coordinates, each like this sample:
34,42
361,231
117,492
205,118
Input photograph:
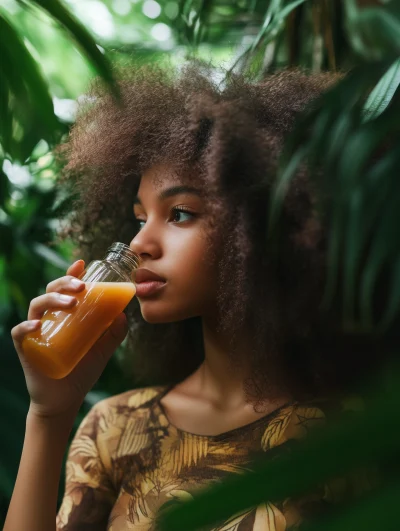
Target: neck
218,379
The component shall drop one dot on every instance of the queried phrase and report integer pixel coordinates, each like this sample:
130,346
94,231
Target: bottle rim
119,247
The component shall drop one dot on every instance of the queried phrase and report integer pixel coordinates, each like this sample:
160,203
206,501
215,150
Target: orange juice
66,336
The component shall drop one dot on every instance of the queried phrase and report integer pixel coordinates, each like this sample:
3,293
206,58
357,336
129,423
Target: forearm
33,505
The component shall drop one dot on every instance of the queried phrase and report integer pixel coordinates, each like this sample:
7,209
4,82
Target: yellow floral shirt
127,460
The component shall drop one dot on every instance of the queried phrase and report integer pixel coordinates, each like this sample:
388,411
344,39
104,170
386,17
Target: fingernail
76,283
65,298
33,324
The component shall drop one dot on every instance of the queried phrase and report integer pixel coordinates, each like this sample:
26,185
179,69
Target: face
171,242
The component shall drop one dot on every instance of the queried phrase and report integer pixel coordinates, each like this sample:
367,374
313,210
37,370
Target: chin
158,314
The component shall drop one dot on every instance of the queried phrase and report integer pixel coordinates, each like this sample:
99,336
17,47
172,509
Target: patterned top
127,460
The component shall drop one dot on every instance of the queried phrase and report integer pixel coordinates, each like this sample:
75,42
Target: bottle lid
121,252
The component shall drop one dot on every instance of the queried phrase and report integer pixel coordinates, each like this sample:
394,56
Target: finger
76,268
67,283
21,330
50,301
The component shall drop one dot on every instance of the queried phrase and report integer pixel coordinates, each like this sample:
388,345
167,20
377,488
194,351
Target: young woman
234,355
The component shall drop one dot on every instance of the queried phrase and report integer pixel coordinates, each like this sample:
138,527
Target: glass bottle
66,336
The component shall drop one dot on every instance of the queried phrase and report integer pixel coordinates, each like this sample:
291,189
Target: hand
55,398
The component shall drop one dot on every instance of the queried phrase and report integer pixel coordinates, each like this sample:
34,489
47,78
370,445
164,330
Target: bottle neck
122,255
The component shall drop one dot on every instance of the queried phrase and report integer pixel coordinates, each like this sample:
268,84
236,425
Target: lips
145,275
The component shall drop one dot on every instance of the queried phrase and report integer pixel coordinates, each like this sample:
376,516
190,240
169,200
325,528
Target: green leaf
383,248
9,73
354,159
29,72
338,132
5,117
6,237
272,24
4,186
383,93
61,14
376,189
373,512
274,20
201,20
374,32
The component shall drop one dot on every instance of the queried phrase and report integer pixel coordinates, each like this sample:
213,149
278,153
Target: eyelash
174,210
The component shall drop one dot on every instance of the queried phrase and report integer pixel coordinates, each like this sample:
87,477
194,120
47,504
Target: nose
146,244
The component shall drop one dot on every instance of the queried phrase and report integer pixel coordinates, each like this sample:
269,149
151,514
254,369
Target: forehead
163,181
161,176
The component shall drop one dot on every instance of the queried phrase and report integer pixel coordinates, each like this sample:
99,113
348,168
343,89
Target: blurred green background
50,50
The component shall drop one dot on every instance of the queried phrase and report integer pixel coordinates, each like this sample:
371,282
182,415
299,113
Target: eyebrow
170,192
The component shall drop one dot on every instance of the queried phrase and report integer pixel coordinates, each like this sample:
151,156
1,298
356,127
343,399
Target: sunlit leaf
26,72
383,93
272,24
62,15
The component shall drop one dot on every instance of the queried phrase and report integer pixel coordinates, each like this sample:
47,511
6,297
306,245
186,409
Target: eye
176,216
178,211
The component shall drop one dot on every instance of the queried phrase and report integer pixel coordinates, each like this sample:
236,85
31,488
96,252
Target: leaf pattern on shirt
127,463
276,428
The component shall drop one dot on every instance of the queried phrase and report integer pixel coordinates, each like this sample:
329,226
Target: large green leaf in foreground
368,438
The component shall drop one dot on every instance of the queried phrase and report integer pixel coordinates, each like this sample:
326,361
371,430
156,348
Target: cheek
191,286
193,266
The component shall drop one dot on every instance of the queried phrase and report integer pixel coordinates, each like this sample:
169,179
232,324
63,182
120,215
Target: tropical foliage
47,59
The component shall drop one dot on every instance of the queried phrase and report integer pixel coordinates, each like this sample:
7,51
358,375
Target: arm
54,405
89,489
34,501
